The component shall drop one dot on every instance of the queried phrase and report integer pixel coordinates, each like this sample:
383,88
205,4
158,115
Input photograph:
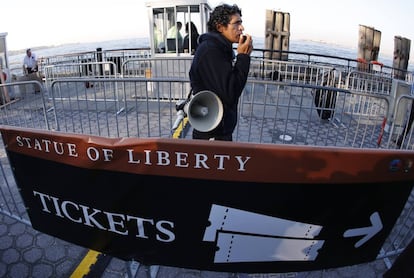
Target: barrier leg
132,268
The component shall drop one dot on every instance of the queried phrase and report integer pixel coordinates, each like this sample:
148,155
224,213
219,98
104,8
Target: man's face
233,30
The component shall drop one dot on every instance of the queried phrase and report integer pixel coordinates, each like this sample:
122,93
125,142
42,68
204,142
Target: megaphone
204,111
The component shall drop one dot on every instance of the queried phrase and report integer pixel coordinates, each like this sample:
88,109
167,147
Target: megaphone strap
190,94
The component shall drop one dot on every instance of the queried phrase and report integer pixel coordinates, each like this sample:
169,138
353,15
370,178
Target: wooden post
286,36
401,56
4,97
268,34
368,46
277,34
400,65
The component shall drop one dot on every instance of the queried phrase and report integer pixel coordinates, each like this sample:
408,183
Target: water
16,57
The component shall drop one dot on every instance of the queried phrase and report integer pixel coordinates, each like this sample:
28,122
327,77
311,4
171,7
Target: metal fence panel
274,112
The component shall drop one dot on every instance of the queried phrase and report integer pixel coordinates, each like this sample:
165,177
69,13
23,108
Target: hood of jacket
219,40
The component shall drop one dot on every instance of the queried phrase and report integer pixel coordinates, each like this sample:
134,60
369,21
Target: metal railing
274,112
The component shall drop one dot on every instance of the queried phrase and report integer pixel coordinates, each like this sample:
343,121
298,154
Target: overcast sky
54,22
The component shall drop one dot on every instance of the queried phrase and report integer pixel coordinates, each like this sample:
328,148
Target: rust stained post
368,46
401,56
277,34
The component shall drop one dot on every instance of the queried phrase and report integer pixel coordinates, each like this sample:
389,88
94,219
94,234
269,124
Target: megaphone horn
204,111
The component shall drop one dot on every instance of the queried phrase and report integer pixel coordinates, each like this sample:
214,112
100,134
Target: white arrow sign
367,232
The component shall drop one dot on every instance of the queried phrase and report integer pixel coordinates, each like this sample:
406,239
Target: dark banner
221,206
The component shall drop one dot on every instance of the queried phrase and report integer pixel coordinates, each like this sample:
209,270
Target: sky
55,22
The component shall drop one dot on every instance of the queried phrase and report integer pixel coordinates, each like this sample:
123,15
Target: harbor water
314,47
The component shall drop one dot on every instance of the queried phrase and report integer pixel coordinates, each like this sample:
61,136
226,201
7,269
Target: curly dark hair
222,15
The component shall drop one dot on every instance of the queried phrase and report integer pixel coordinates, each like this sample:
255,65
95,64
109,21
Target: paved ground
25,252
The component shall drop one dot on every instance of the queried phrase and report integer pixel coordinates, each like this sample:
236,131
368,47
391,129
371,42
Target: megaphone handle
180,117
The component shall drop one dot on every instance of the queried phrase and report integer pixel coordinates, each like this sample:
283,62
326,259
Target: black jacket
215,68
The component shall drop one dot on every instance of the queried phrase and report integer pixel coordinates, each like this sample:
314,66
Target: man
174,33
30,62
30,69
215,68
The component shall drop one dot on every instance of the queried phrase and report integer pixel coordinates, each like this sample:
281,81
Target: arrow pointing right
368,232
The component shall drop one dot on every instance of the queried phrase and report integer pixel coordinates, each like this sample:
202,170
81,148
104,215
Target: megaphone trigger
204,111
180,104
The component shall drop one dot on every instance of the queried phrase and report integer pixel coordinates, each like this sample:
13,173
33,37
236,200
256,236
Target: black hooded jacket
215,68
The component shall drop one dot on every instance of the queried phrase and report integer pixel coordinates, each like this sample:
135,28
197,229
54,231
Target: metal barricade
294,72
368,106
270,112
166,67
80,70
400,124
116,56
146,116
76,70
26,108
264,102
369,83
287,113
163,67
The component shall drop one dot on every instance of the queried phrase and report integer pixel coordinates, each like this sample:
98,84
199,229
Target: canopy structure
168,21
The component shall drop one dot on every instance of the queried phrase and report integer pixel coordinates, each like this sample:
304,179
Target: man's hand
245,44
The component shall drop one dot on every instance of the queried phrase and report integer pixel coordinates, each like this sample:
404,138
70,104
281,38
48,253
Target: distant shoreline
259,40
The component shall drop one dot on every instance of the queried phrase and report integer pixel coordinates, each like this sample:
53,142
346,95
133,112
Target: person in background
158,40
216,68
191,31
30,62
31,69
174,33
